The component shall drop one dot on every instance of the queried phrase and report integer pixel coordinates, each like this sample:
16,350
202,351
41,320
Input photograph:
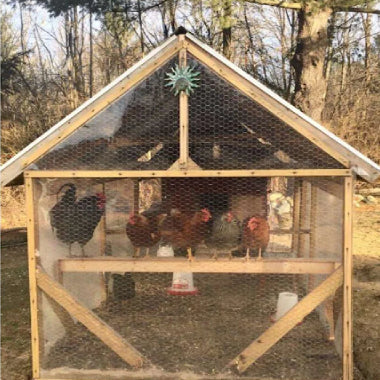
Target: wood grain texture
198,265
290,320
94,324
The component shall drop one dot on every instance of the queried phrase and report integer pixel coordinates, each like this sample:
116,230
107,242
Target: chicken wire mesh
138,131
227,130
218,219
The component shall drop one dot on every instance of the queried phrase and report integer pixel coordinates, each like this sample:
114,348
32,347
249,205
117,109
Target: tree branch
357,10
298,6
277,3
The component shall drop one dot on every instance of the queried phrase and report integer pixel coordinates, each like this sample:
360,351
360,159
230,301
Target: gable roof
320,136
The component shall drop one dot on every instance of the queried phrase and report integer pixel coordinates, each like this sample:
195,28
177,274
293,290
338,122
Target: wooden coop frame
339,274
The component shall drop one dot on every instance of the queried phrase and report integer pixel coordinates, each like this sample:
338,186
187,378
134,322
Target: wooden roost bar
187,176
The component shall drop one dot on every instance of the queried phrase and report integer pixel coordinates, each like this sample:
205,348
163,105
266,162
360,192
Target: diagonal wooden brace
274,333
90,320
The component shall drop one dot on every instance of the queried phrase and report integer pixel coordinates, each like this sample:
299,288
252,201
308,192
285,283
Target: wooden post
313,227
303,213
296,215
136,195
183,116
29,197
347,283
103,246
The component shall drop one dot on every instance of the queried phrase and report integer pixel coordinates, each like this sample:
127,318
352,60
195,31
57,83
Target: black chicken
75,221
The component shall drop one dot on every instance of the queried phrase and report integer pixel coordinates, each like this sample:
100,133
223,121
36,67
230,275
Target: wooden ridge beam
90,320
290,320
198,265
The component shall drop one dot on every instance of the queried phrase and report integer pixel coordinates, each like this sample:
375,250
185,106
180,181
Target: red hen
255,235
185,231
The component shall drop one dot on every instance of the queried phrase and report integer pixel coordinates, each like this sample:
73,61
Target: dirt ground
15,354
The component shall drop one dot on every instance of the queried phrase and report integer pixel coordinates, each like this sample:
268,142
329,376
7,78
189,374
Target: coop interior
158,275
203,331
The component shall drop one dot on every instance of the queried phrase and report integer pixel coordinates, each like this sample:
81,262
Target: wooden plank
268,102
191,166
186,173
199,265
347,288
31,220
90,320
183,115
303,212
313,228
151,374
290,320
101,103
103,248
296,214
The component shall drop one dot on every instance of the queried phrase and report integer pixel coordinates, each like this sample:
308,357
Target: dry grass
13,207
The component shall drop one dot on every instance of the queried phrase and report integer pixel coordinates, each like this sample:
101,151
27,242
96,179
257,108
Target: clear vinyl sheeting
220,220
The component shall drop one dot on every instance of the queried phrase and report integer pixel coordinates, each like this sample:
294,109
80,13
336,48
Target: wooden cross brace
90,320
274,333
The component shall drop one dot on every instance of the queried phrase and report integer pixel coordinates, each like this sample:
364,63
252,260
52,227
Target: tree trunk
91,59
141,27
226,28
308,61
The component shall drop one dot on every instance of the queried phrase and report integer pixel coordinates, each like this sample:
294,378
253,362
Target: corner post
29,196
347,282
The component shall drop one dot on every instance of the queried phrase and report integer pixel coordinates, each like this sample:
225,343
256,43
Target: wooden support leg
260,256
147,250
247,256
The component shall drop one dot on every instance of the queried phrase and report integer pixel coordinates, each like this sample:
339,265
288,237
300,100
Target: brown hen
142,230
255,235
183,230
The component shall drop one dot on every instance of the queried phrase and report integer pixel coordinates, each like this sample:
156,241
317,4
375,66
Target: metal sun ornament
182,79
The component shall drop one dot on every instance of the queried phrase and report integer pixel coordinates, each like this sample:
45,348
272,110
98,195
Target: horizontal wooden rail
199,265
119,231
186,173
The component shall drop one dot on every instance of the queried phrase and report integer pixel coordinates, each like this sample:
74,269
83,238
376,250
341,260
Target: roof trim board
317,134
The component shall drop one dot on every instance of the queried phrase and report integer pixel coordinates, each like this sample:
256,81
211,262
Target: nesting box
254,198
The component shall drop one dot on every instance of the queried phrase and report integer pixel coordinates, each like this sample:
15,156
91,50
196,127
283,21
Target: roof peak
180,30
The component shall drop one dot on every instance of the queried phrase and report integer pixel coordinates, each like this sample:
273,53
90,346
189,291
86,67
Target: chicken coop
187,222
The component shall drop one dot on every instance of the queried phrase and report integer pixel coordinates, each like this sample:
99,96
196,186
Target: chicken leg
83,252
190,255
136,252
